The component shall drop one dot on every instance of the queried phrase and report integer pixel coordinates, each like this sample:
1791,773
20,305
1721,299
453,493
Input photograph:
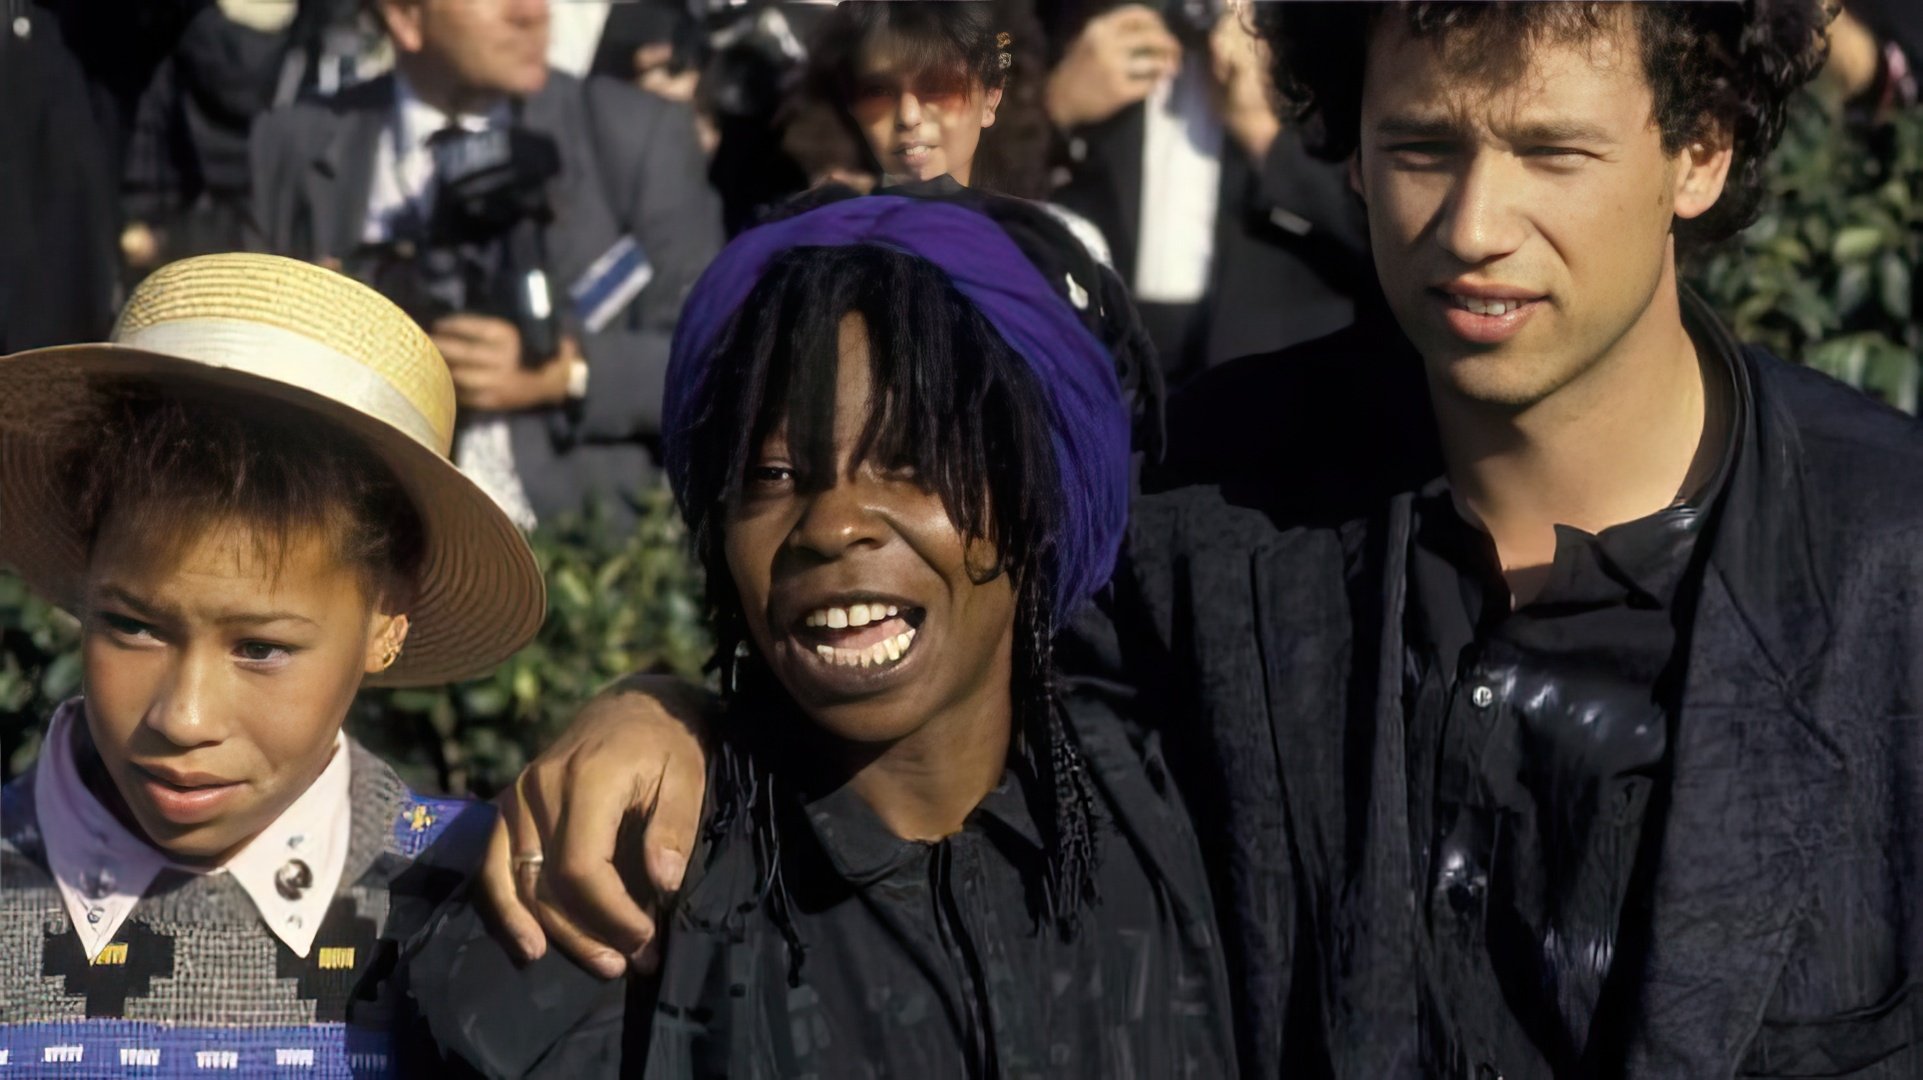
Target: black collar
863,850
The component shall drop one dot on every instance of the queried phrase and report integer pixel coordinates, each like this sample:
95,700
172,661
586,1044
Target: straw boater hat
307,337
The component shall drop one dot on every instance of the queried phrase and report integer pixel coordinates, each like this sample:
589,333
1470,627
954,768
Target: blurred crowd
539,183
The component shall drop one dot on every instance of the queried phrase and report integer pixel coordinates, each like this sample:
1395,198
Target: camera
482,248
1192,21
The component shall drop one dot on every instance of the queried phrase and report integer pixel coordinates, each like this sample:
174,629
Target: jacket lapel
1335,706
1754,773
341,176
586,218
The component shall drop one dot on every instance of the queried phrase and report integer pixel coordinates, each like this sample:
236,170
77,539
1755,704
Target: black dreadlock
954,403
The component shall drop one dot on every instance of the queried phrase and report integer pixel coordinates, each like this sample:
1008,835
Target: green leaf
1852,287
1893,276
1855,243
1891,374
62,677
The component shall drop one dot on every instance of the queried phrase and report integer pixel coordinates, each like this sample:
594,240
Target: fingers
1130,18
467,364
654,54
524,837
501,903
1146,67
671,831
480,329
581,876
584,948
633,752
478,388
1142,41
537,890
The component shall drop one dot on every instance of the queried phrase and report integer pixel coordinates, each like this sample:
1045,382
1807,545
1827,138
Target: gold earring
392,654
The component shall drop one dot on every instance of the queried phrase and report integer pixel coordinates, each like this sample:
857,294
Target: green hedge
1829,275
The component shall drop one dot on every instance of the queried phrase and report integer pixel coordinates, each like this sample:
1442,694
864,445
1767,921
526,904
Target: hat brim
480,595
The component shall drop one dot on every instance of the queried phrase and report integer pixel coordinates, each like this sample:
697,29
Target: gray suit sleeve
275,152
658,180
269,149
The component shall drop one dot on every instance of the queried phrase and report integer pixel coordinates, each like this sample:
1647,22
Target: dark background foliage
1829,275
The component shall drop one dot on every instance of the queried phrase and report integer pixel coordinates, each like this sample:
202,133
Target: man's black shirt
1537,739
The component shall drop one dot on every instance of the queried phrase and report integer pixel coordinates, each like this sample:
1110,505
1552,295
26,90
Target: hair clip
1004,39
1005,61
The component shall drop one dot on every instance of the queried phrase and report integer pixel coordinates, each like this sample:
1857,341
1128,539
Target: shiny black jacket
1259,617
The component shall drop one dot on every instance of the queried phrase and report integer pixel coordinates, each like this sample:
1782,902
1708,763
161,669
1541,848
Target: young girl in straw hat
245,499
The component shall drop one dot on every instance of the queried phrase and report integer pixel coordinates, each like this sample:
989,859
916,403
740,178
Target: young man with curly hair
1542,665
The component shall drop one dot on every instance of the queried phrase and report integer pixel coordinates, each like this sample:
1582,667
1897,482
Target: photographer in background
1233,238
542,229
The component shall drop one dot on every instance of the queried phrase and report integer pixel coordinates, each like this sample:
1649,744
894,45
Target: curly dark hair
1718,70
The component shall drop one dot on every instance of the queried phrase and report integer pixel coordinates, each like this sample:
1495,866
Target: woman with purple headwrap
903,460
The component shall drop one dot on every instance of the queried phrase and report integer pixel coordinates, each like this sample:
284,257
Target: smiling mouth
875,635
1476,305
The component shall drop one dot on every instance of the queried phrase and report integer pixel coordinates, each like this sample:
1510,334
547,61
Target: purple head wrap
1088,421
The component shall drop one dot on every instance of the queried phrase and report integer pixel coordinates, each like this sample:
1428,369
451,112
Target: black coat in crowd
1291,249
59,223
1261,615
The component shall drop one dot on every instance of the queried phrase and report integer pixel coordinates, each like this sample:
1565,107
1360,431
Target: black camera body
483,246
1192,21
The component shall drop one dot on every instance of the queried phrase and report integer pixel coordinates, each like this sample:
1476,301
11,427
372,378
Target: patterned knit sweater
195,984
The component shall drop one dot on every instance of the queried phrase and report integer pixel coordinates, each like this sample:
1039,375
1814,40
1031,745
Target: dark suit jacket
629,164
1262,609
59,221
1291,246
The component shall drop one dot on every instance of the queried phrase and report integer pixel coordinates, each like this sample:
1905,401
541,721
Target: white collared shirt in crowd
574,35
403,190
103,869
1182,142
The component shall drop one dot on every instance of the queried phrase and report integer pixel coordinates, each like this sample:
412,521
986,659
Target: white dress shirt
1182,145
403,190
574,35
102,869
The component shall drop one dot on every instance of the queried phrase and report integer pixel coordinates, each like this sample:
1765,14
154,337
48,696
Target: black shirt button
1482,697
1461,880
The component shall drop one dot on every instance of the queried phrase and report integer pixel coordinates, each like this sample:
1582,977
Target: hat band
283,356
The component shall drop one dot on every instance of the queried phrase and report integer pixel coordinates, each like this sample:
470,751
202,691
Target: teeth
853,615
1485,307
880,654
